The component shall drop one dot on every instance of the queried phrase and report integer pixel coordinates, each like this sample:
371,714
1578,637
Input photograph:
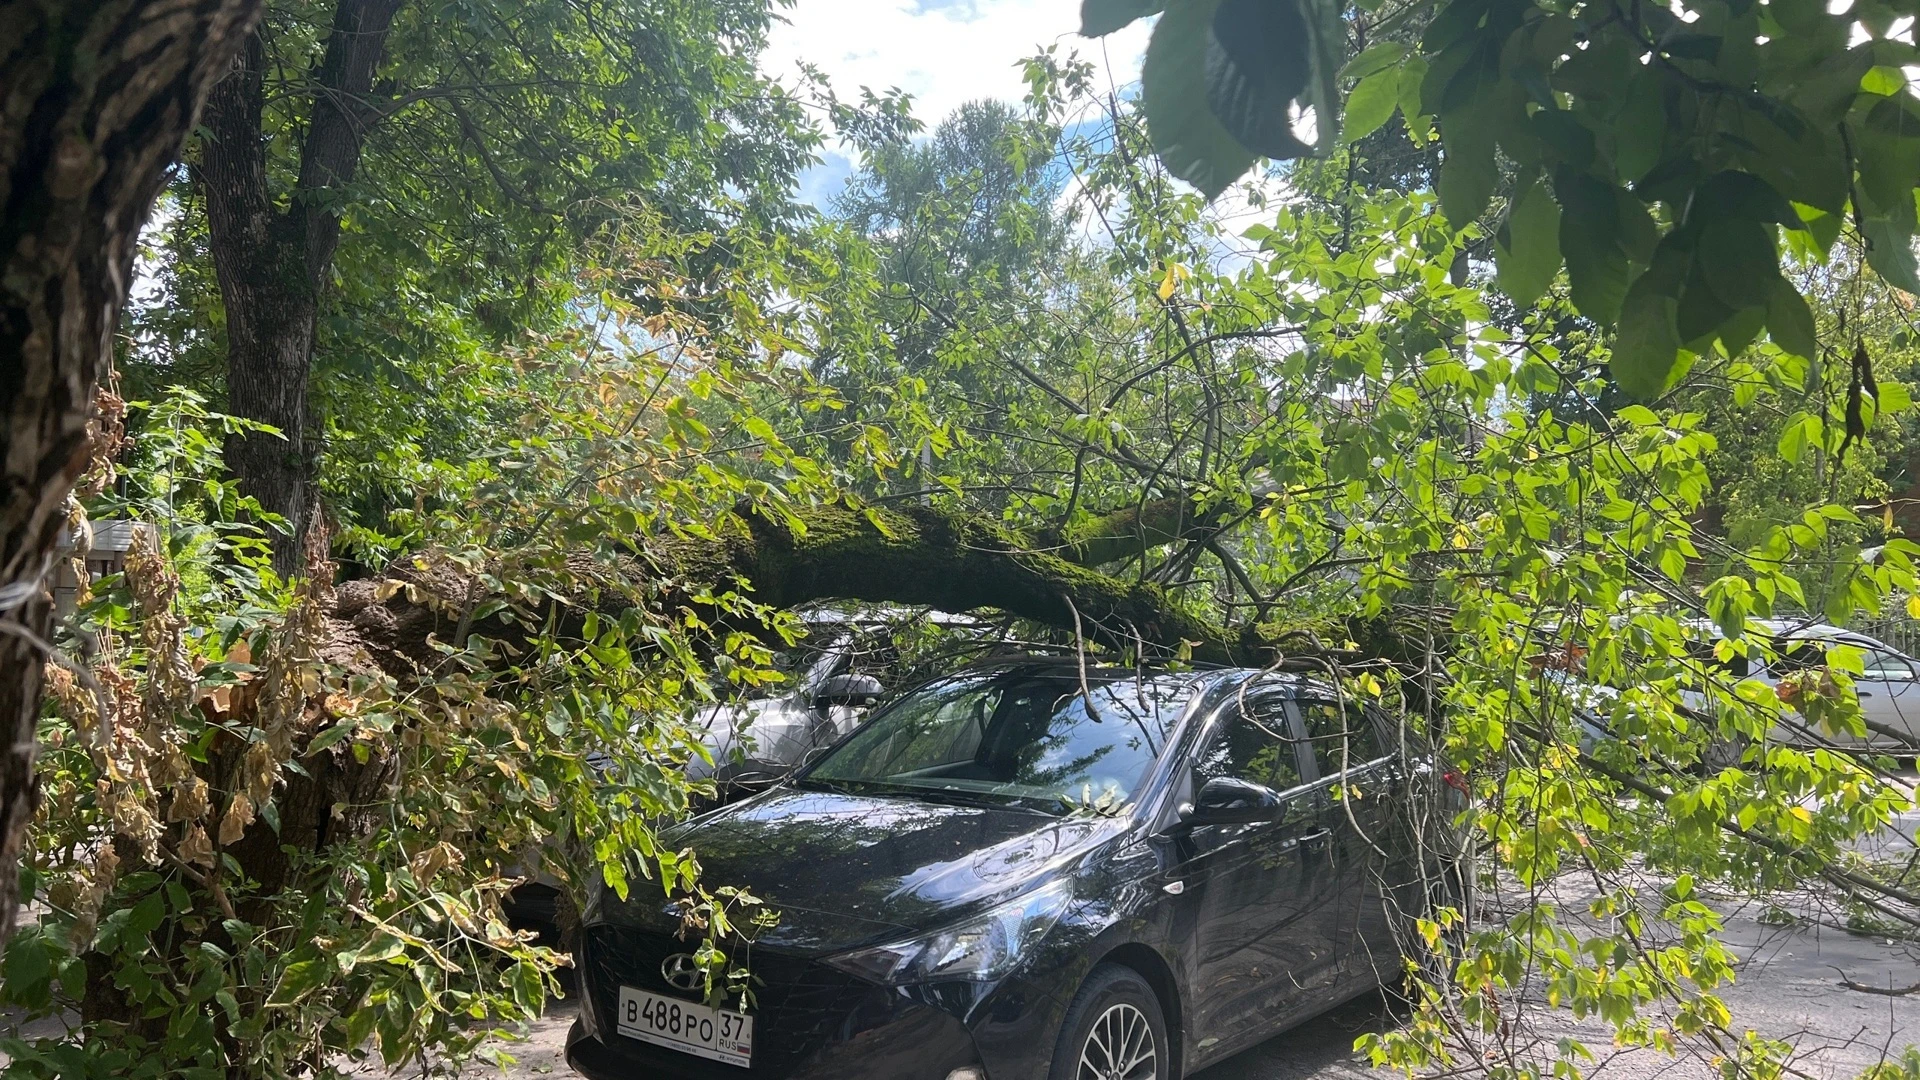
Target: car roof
1801,630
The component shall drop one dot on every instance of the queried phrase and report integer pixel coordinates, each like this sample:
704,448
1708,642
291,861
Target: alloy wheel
1119,1046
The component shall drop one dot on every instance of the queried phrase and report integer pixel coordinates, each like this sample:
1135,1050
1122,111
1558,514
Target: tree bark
95,99
951,560
273,261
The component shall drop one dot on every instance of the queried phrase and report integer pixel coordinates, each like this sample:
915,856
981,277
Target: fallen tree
951,560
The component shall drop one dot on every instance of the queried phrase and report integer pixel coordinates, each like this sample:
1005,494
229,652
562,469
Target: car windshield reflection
1045,740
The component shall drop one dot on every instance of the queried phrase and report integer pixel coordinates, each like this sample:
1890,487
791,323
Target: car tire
1107,1028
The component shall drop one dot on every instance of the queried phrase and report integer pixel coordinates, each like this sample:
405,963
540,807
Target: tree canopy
1668,157
496,408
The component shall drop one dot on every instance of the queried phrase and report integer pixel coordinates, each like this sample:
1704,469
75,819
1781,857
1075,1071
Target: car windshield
1043,739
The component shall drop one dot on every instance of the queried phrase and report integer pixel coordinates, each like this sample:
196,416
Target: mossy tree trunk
955,561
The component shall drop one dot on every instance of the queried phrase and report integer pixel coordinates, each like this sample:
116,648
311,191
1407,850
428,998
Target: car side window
1799,654
1342,738
1254,744
1882,666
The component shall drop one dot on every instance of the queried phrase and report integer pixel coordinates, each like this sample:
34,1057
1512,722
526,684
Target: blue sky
943,52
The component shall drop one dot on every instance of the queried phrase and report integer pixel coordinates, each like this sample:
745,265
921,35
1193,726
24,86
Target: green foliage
261,854
1368,436
1221,77
511,149
1527,247
1680,143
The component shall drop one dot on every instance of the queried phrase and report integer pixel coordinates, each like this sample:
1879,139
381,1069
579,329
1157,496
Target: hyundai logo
682,972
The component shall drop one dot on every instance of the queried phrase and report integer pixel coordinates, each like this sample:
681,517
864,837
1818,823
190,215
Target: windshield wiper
961,797
842,787
945,795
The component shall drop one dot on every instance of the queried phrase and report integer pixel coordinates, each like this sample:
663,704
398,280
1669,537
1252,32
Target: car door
1888,695
1249,888
1355,790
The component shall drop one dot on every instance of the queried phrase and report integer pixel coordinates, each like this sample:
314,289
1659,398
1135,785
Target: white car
758,740
1888,685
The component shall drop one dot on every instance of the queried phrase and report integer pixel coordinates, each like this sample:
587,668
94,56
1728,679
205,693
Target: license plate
715,1034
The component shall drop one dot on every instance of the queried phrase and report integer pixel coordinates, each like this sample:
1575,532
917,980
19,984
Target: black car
1029,871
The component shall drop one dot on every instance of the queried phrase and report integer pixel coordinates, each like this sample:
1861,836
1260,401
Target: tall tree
463,157
273,261
94,101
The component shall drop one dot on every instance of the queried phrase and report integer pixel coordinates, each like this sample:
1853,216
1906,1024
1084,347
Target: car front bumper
813,1022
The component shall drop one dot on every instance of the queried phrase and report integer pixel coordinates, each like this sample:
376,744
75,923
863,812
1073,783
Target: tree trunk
95,99
273,261
920,556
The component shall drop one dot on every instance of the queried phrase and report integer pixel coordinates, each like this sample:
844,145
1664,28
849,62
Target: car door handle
1314,843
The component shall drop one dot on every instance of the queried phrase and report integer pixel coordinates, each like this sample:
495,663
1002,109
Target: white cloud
943,52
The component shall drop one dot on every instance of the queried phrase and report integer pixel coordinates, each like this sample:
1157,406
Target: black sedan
1028,871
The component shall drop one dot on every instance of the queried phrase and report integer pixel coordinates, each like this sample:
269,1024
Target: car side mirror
1225,800
854,691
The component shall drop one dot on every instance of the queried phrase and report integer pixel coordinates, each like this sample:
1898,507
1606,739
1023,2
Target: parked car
1888,689
834,676
757,740
1886,686
1024,871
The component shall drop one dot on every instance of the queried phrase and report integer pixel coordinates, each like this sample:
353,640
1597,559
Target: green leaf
1894,397
1738,260
1673,563
1637,234
1190,142
1732,193
360,1024
1887,152
1259,58
1412,74
1596,266
147,916
1467,171
1646,349
1803,165
1701,313
1641,126
1740,331
1883,80
1371,104
1823,227
1527,256
330,736
29,967
1890,252
1381,56
1790,320
1099,18
1800,432
1565,139
299,978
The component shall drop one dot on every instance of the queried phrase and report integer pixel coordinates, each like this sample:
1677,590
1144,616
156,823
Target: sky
943,52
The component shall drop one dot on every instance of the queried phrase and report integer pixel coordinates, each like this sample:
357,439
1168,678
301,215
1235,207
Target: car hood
848,870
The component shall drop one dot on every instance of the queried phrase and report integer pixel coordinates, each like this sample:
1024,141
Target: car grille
798,1004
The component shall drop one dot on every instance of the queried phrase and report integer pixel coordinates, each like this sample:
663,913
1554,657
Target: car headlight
983,948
